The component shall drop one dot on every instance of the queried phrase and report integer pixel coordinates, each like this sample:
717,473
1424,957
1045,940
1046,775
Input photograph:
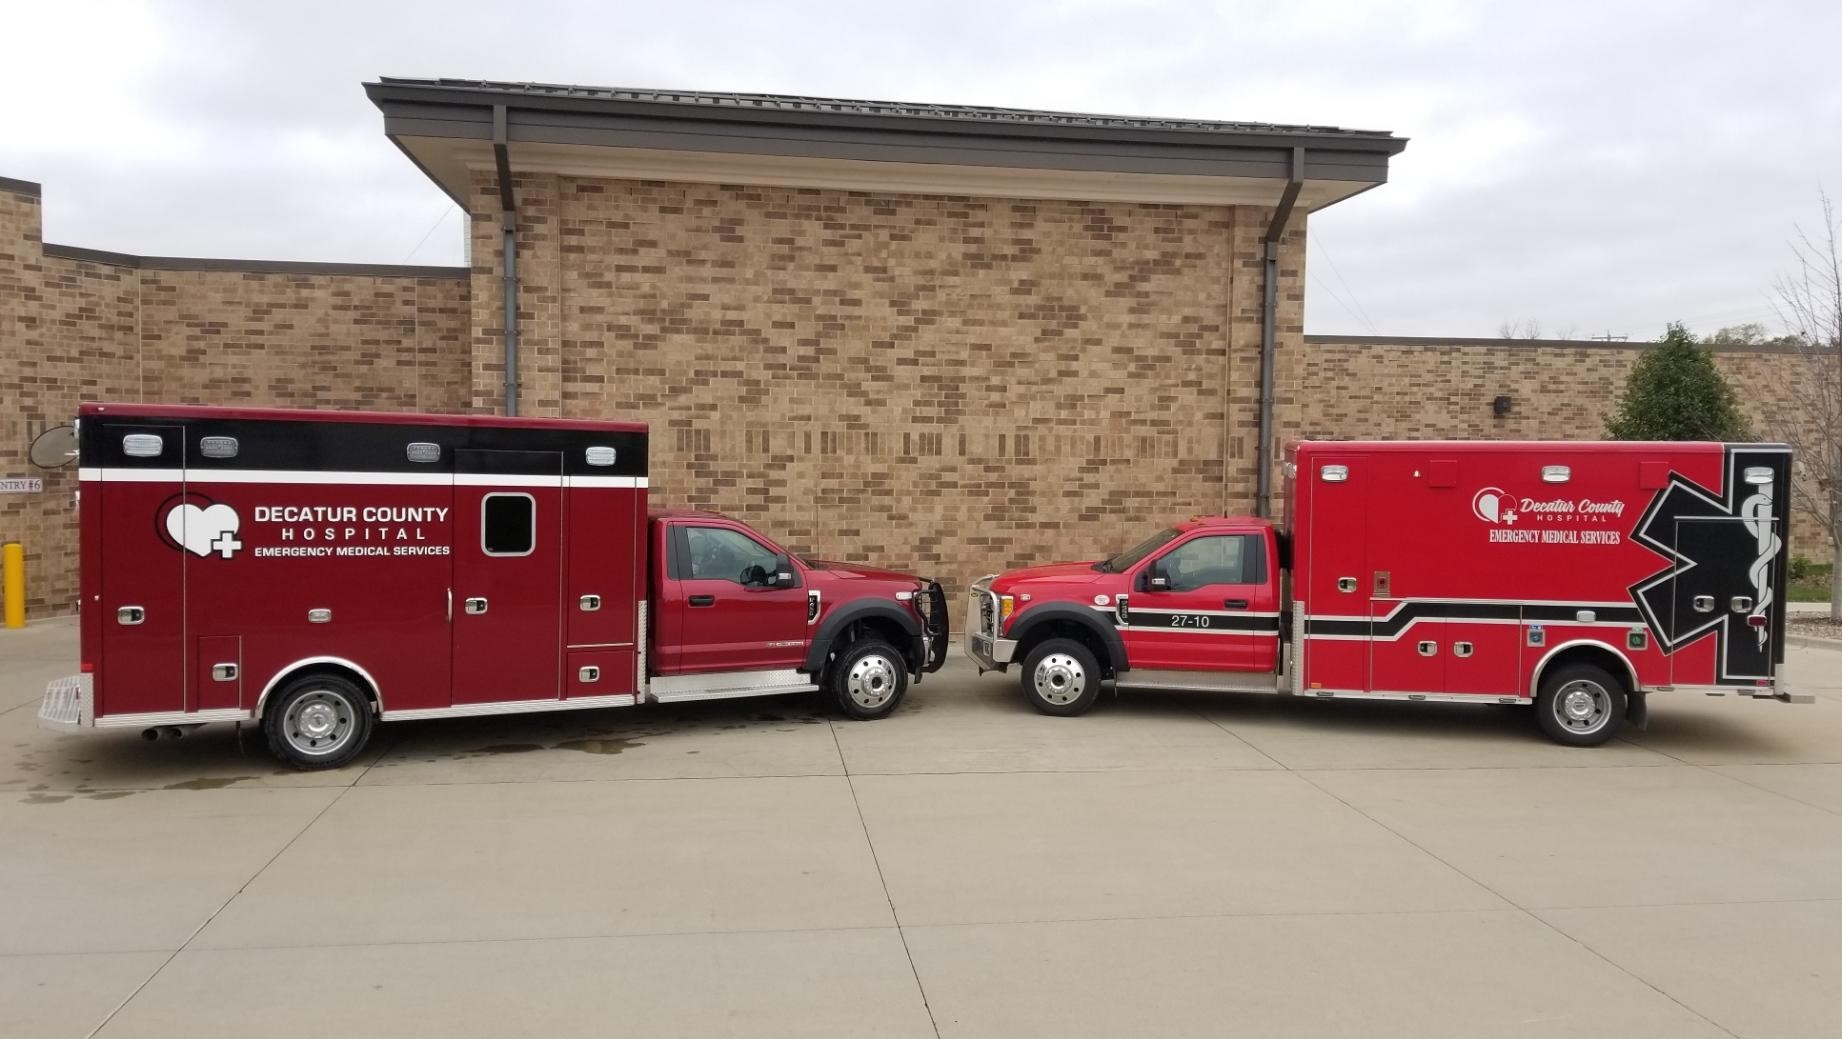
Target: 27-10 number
1189,620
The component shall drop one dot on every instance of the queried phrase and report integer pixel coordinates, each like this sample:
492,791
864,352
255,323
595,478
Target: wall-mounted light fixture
1500,407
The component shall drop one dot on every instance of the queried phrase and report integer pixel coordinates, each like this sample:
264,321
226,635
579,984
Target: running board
1199,681
727,685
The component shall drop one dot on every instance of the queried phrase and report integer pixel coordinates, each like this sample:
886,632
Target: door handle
130,615
703,600
476,606
1235,604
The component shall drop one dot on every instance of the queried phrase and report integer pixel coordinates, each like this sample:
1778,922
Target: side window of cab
1214,559
721,554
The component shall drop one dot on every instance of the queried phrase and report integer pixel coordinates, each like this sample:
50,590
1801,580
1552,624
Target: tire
317,722
1581,705
1061,677
868,679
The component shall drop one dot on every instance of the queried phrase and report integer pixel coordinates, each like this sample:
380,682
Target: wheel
868,680
1061,677
1581,705
317,722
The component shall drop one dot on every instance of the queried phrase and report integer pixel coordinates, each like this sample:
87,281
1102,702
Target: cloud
1603,166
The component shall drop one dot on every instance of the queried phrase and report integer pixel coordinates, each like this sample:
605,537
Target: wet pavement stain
44,799
608,746
110,795
206,784
508,748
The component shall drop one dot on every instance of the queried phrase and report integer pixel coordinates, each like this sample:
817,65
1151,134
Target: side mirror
753,575
1156,580
782,577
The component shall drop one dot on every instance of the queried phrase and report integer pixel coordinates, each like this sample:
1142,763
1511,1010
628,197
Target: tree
1676,393
1751,334
1810,304
1530,329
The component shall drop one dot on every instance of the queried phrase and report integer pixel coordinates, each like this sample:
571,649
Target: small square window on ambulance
1335,473
508,524
600,456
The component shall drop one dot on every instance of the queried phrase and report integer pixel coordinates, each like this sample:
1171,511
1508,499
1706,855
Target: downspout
1263,494
508,208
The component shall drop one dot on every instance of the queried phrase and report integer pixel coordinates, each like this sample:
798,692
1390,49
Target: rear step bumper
68,705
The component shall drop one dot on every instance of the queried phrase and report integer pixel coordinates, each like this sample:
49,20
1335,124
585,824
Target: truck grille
982,612
931,603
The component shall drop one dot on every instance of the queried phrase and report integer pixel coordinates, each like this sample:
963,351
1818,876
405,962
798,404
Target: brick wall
950,385
121,328
944,384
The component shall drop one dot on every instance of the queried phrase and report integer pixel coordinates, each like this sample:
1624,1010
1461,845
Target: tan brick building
948,339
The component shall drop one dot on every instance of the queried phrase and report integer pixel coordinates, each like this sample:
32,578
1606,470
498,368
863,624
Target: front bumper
931,644
69,704
983,643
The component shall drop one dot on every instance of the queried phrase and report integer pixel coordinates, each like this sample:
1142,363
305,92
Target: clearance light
1757,620
1006,606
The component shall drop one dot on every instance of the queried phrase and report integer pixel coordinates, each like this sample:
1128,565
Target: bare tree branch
1808,415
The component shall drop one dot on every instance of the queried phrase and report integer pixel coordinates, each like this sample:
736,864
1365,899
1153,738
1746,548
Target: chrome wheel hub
1059,679
1582,706
319,723
872,681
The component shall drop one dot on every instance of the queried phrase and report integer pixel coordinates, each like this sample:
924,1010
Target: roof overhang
446,128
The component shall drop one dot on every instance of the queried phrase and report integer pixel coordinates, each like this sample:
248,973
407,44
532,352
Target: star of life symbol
1723,551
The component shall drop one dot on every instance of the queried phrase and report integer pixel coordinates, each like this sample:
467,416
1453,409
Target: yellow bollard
13,578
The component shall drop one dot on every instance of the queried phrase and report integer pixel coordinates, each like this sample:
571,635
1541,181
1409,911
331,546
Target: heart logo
1488,505
204,531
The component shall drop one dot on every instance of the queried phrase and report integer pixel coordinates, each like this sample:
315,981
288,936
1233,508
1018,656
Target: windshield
1126,560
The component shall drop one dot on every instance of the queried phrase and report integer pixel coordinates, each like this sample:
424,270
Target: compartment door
508,576
1731,589
148,528
217,672
1336,597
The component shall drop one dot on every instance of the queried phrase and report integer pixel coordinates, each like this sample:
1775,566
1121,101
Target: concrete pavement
1168,865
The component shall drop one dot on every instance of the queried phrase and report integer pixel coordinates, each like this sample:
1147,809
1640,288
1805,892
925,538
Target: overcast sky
1600,166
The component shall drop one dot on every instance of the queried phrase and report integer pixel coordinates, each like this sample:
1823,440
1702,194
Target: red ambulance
317,572
1578,577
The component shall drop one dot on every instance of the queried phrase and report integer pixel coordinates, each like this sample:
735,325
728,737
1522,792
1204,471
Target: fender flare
1108,634
857,610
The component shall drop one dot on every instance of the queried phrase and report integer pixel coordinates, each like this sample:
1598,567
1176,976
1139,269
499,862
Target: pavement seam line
1242,740
1526,911
1767,789
234,895
1712,770
877,861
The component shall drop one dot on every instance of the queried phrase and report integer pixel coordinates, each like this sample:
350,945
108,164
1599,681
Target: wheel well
874,627
1600,656
321,667
1067,629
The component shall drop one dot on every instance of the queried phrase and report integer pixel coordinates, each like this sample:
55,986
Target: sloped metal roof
797,105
